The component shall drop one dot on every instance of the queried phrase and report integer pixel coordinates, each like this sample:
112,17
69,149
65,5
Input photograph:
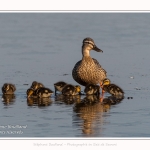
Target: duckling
35,85
8,88
71,90
92,89
113,89
59,86
43,92
31,93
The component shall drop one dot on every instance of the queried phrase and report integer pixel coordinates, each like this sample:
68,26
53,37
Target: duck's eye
88,42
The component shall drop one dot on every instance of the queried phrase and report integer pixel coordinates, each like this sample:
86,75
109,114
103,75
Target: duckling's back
44,92
91,89
69,89
113,89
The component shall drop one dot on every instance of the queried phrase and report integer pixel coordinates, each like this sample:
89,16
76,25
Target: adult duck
88,70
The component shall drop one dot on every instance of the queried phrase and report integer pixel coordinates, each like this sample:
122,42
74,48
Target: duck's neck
85,51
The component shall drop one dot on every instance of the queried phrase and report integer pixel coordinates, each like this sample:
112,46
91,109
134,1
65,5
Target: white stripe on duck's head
90,44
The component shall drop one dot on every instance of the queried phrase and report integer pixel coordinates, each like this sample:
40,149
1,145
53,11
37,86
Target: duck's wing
98,64
114,88
75,74
13,87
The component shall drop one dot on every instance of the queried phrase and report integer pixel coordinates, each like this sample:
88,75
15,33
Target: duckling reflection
91,99
8,98
45,101
112,100
31,101
90,110
67,99
41,102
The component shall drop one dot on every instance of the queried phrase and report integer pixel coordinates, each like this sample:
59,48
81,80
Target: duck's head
59,85
35,85
6,86
106,81
30,92
88,44
78,88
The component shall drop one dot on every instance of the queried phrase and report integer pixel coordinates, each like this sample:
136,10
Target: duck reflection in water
41,102
8,99
67,99
90,113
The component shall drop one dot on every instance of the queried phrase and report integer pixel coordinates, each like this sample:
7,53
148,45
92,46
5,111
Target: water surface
45,47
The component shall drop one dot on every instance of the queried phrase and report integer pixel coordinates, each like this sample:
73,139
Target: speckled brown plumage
8,88
88,70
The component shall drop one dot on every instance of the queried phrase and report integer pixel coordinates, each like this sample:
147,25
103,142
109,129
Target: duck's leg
102,96
55,91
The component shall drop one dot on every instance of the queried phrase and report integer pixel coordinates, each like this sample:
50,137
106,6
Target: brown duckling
31,93
8,88
92,89
59,86
113,89
40,92
35,85
43,92
70,89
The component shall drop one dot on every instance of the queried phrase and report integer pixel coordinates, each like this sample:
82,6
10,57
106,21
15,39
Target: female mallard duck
88,70
41,92
92,89
112,88
8,88
59,86
71,90
35,85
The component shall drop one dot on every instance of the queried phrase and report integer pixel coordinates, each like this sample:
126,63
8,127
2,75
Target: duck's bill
97,49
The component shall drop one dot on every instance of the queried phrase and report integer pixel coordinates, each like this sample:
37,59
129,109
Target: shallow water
46,46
